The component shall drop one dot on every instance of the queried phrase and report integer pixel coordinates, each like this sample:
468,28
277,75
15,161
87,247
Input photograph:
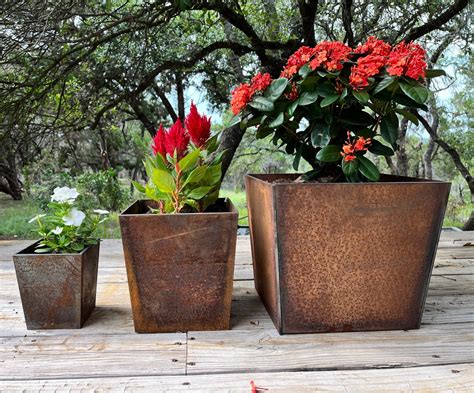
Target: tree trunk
469,225
428,159
402,157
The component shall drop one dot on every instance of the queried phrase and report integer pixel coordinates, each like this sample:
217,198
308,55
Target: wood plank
80,356
264,350
458,378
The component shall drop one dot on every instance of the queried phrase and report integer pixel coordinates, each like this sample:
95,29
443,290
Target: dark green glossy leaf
325,89
307,98
329,153
278,121
408,115
262,104
389,128
263,132
305,71
417,93
276,89
434,73
383,84
350,167
292,107
360,118
380,149
329,100
361,96
368,169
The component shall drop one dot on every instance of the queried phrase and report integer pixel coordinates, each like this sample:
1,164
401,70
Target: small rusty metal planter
57,291
180,267
344,257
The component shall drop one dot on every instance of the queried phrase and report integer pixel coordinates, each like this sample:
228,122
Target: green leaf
383,84
329,153
380,149
262,104
368,169
389,128
308,97
189,160
278,121
276,89
329,100
292,107
199,192
320,134
297,159
361,96
350,167
138,186
160,162
196,175
213,174
163,180
417,93
356,118
434,73
234,121
305,71
263,132
325,89
408,115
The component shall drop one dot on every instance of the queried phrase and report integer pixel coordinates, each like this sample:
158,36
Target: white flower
64,194
100,211
57,230
36,218
74,217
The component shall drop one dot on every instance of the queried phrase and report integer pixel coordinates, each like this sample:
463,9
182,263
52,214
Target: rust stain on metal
344,257
58,291
180,268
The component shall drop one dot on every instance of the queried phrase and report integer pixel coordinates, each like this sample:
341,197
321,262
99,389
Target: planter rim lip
21,253
232,211
418,181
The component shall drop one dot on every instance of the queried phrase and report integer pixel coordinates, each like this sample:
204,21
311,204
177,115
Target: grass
14,216
239,199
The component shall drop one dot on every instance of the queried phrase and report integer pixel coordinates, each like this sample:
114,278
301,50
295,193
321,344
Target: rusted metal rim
33,247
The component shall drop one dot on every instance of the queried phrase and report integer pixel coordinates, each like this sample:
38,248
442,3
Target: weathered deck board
459,378
107,354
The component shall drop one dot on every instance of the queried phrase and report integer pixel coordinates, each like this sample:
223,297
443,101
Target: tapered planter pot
58,291
332,257
180,267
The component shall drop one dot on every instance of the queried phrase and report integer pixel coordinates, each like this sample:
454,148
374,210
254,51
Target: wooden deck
107,354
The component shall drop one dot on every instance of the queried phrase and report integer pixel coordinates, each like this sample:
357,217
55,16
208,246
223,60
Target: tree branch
308,11
436,23
347,22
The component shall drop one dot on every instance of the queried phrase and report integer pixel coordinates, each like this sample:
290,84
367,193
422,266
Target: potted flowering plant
57,275
179,243
341,248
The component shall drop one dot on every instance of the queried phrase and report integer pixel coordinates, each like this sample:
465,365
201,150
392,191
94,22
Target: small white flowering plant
64,228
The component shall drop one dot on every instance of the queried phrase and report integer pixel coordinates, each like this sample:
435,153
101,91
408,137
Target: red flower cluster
293,94
176,139
296,61
243,93
350,148
376,54
330,55
199,127
407,59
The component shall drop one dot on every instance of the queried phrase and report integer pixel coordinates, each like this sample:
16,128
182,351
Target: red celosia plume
158,144
198,126
177,139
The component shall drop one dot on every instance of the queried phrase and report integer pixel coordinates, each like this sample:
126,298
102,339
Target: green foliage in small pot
65,229
183,173
332,104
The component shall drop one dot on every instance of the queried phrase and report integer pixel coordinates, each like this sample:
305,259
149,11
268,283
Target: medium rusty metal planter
57,291
180,267
332,257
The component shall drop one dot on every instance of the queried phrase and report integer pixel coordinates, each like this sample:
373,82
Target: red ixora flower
407,59
374,46
198,126
260,82
177,139
296,61
243,93
330,55
351,147
293,94
158,145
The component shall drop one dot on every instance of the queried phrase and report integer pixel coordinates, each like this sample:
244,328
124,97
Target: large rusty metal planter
331,257
180,268
58,291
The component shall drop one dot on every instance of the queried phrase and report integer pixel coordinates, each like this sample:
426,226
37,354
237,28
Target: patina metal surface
346,257
58,291
180,268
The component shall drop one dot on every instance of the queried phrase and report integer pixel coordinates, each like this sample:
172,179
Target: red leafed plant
181,174
332,104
